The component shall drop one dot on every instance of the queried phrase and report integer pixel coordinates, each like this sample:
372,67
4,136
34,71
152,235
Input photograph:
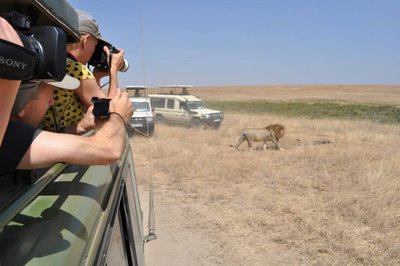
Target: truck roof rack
173,89
134,87
137,90
177,86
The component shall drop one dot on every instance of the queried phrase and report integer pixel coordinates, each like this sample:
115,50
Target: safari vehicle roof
136,90
46,13
177,86
136,87
175,89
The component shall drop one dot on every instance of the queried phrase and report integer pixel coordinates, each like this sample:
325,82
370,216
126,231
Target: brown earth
331,197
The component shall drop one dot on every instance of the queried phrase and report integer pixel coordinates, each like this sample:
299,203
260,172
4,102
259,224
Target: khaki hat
87,24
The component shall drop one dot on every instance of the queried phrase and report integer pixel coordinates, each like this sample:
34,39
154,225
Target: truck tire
151,130
160,119
196,123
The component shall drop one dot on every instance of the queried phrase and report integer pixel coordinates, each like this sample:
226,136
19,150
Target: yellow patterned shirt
69,109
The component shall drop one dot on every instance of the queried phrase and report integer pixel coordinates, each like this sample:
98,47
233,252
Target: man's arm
88,122
106,146
117,60
8,88
87,89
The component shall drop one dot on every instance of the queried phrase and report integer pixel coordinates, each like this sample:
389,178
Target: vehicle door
182,114
170,112
158,105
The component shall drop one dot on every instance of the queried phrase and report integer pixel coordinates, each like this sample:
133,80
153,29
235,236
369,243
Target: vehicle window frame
157,102
171,103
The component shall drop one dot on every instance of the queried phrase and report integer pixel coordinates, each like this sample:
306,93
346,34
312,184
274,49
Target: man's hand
121,104
117,61
88,122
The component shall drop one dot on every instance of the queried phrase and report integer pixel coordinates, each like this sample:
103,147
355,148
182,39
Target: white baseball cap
27,91
68,83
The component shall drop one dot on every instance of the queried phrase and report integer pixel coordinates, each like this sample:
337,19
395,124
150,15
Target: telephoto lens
125,67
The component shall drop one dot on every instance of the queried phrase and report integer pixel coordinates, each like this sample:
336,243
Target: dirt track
312,203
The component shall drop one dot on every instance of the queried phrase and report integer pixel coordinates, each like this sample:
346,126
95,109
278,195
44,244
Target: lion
272,132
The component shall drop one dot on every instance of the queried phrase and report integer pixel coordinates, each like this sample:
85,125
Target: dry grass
324,204
311,204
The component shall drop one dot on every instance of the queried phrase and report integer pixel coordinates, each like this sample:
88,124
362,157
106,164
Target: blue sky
253,42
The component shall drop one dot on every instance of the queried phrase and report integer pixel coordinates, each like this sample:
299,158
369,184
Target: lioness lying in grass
271,132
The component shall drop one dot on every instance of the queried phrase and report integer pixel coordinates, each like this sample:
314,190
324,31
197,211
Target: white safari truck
178,106
142,120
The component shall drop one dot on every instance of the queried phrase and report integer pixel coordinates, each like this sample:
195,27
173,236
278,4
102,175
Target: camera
99,57
101,107
43,56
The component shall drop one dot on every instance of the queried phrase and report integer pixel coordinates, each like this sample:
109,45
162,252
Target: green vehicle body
71,214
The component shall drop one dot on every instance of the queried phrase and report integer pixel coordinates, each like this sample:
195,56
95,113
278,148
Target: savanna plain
331,197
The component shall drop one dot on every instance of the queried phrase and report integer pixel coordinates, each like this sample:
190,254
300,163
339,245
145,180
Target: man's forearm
113,83
104,147
107,144
111,136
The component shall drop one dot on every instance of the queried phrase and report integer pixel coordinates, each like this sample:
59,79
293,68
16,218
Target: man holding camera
47,148
104,147
30,148
70,106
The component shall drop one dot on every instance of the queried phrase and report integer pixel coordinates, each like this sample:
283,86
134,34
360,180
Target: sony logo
12,63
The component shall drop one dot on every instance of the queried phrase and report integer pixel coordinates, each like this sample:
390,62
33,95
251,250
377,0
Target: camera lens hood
125,67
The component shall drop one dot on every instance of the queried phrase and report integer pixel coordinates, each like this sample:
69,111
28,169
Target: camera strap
56,123
109,71
16,62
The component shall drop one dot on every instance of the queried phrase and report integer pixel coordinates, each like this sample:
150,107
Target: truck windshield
141,106
195,105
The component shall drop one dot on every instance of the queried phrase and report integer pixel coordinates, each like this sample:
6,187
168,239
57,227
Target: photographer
26,147
8,88
69,107
47,148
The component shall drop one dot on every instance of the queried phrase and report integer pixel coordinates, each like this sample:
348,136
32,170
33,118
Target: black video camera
43,56
99,57
101,107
